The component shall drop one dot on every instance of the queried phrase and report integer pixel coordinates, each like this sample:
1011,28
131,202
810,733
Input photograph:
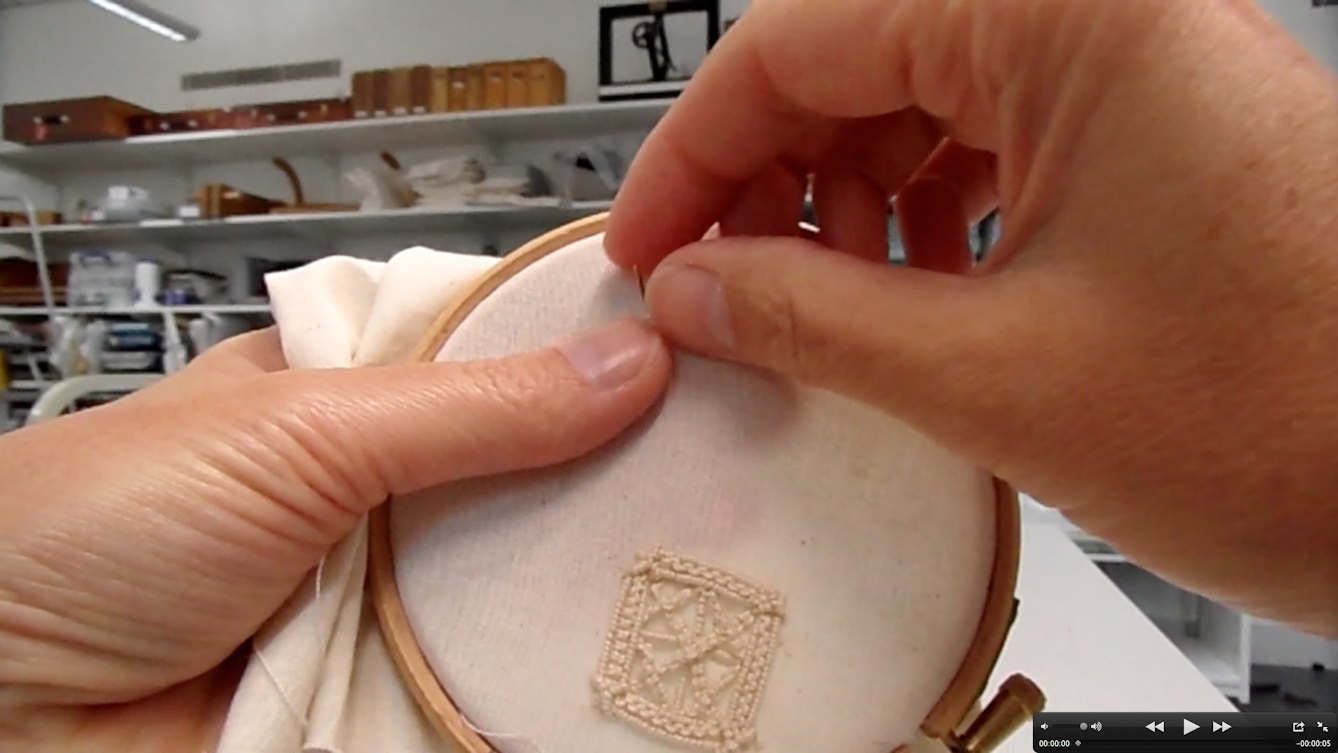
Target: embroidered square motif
689,651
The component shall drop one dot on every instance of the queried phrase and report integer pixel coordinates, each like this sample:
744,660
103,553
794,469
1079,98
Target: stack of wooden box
20,219
107,118
407,90
420,89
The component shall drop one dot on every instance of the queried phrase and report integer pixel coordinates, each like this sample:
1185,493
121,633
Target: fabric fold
320,679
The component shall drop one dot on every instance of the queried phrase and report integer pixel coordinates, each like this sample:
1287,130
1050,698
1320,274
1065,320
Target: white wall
72,49
1316,28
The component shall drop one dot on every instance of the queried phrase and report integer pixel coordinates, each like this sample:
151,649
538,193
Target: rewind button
1156,727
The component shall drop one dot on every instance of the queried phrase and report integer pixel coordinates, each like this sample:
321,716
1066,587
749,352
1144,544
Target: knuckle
777,332
305,428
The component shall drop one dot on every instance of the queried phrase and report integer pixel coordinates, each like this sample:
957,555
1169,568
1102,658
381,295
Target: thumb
178,523
929,348
347,439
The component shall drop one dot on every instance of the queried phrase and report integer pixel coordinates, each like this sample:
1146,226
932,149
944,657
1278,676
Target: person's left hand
143,542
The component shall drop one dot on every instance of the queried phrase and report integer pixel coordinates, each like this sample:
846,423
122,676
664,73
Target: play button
1190,726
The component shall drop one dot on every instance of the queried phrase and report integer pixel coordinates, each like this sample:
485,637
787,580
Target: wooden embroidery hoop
952,721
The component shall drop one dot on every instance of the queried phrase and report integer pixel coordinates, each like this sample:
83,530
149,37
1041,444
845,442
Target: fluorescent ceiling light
155,21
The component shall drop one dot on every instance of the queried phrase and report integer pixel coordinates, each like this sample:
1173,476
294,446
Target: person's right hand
1152,347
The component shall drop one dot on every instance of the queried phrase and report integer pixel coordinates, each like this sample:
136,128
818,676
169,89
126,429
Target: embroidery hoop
955,720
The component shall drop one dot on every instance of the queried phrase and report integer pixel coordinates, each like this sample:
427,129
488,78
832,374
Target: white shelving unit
1214,637
208,308
59,164
178,159
487,128
310,225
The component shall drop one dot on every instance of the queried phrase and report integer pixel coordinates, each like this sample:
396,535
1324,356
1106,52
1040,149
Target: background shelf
314,224
369,135
205,308
1215,663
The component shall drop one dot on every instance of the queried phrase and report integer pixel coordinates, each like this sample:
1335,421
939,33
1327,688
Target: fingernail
610,357
695,300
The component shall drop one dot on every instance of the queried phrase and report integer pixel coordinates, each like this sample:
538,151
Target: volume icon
1096,726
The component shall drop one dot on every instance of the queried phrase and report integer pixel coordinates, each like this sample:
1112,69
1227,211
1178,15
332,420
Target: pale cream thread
708,616
320,571
490,736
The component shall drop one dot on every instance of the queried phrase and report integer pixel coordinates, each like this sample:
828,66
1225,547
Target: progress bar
1153,732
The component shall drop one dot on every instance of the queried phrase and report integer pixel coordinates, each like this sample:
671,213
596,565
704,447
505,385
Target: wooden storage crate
547,83
298,112
495,76
364,99
70,120
182,122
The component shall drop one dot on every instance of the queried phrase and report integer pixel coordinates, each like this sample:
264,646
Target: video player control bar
1153,732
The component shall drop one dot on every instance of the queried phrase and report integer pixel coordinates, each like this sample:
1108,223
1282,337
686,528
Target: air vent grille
273,74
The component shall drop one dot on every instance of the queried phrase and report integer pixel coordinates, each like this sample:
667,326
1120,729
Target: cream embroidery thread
689,652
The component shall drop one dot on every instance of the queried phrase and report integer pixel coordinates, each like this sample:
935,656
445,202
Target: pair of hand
143,542
1150,348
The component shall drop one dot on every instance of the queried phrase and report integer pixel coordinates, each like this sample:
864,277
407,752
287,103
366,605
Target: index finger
785,68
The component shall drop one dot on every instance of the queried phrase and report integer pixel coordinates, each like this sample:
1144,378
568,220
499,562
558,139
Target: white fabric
320,678
880,542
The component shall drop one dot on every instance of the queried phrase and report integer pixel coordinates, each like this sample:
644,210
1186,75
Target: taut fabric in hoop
880,544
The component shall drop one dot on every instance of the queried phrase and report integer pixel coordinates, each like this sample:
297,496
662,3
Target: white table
1087,645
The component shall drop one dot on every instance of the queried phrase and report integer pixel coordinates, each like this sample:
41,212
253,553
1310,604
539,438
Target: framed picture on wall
650,50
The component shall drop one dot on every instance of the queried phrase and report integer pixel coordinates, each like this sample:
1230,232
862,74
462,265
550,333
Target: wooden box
518,84
20,219
380,93
420,89
218,200
458,78
300,112
547,83
441,90
495,85
400,96
20,282
181,122
70,120
364,100
474,87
